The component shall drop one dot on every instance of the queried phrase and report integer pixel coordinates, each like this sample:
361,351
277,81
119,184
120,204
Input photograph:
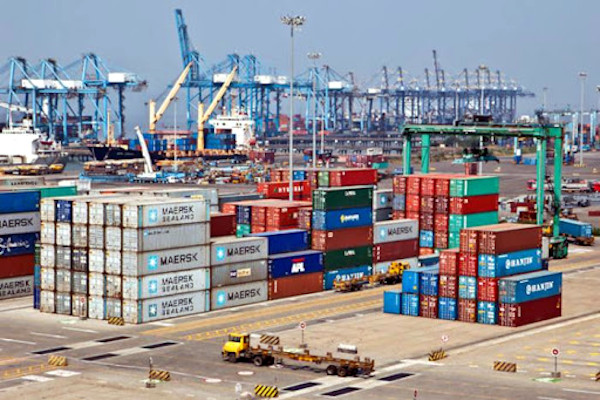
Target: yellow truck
391,277
266,350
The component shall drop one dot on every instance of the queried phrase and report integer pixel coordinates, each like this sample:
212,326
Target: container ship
24,145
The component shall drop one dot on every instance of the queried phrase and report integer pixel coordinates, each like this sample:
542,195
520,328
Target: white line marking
85,345
36,378
16,341
580,391
48,335
161,323
63,373
127,352
79,329
549,398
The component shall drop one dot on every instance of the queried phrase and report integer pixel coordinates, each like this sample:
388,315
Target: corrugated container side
345,274
14,202
447,308
162,261
392,301
63,280
342,238
528,287
448,286
449,262
63,257
79,283
410,304
166,212
47,301
63,234
382,198
140,311
467,310
467,264
393,231
231,250
79,305
16,265
341,219
113,262
520,314
165,237
237,295
48,233
467,287
285,241
79,260
22,243
295,285
48,279
63,303
47,210
487,312
96,284
428,306
96,237
518,262
114,308
239,273
25,222
487,289
113,238
114,287
96,260
507,238
96,307
169,284
395,250
289,264
346,258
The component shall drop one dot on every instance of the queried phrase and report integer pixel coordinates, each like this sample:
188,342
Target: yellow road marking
594,354
526,347
500,355
569,362
592,364
540,369
273,310
571,351
520,357
27,370
543,359
8,361
574,342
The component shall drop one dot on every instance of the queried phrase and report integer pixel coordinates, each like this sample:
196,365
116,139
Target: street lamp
314,56
482,69
292,22
582,76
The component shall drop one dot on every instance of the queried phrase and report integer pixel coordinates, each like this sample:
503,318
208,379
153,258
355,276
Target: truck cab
236,346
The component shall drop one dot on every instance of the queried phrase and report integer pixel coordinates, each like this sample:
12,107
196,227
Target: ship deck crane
156,116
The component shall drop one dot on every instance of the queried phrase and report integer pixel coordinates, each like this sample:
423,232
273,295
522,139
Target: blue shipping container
36,297
37,276
410,304
447,308
392,301
411,280
467,287
14,202
575,228
345,274
339,219
429,283
14,245
527,287
517,262
285,241
399,202
299,175
426,239
64,209
301,262
431,260
244,215
487,312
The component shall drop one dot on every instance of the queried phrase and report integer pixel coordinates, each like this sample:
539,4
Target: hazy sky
542,43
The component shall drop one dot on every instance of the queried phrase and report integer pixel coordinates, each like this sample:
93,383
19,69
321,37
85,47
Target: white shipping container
113,238
382,198
63,303
47,233
165,212
63,257
112,262
79,305
96,260
168,284
63,234
25,222
165,237
114,308
238,295
395,230
96,236
79,283
63,280
79,236
96,284
48,256
383,267
113,213
47,210
210,195
545,248
140,311
79,211
162,261
96,212
229,250
96,307
47,301
113,286
47,278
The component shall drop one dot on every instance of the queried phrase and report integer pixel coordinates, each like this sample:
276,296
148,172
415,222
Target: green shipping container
381,165
346,258
343,197
323,179
58,191
474,186
242,230
458,222
453,240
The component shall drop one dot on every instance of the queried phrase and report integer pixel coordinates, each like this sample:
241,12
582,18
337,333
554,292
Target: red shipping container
440,240
425,251
412,215
448,286
342,238
473,204
258,216
529,312
16,266
449,262
222,224
399,184
398,214
487,289
442,205
426,222
469,239
506,238
258,229
413,202
282,216
428,307
427,204
413,185
352,177
395,250
428,185
280,190
229,208
305,218
295,285
442,186
467,264
467,310
441,222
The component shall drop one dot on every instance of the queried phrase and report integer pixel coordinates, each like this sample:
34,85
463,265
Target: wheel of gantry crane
331,370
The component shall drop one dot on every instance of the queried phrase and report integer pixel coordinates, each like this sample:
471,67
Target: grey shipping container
235,274
169,284
48,278
96,237
47,233
63,234
79,236
96,307
113,238
48,256
96,260
113,286
383,214
230,250
63,280
238,295
79,283
165,237
158,262
16,287
47,210
114,308
382,198
63,257
395,230
164,212
63,303
26,222
79,260
96,284
113,262
139,311
47,301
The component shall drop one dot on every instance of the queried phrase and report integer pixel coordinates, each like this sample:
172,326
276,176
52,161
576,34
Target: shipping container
399,202
448,286
328,199
473,204
113,238
467,287
47,210
243,214
410,304
399,184
167,284
431,260
222,224
238,295
447,308
520,314
441,223
442,205
345,274
384,266
528,287
382,199
242,230
474,186
63,234
508,238
428,306
285,241
96,237
487,312
426,239
345,258
48,256
63,303
295,285
411,279
392,301
395,250
47,301
47,233
427,204
63,257
96,284
467,310
161,261
96,307
426,221
469,240
37,293
440,240
453,240
79,236
113,262
79,283
114,308
79,260
166,212
63,280
230,250
487,289
413,203
413,185
64,210
288,264
281,190
165,237
25,222
399,215
16,266
575,228
342,238
518,262
48,278
96,260
341,219
383,214
396,230
467,264
14,245
79,306
18,202
458,222
428,284
449,260
236,274
347,177
147,310
428,185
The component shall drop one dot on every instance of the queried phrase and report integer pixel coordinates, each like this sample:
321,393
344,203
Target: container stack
382,205
342,224
268,215
281,190
395,241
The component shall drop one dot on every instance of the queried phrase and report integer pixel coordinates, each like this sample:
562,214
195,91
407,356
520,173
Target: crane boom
147,160
172,93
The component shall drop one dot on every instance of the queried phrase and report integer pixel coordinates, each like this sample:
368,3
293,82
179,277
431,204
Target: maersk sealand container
527,287
285,241
340,219
518,262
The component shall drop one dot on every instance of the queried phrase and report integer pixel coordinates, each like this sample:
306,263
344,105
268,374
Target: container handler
265,350
391,277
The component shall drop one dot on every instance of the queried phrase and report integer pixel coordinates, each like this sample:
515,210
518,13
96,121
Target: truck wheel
343,372
258,360
270,361
352,371
231,358
331,370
